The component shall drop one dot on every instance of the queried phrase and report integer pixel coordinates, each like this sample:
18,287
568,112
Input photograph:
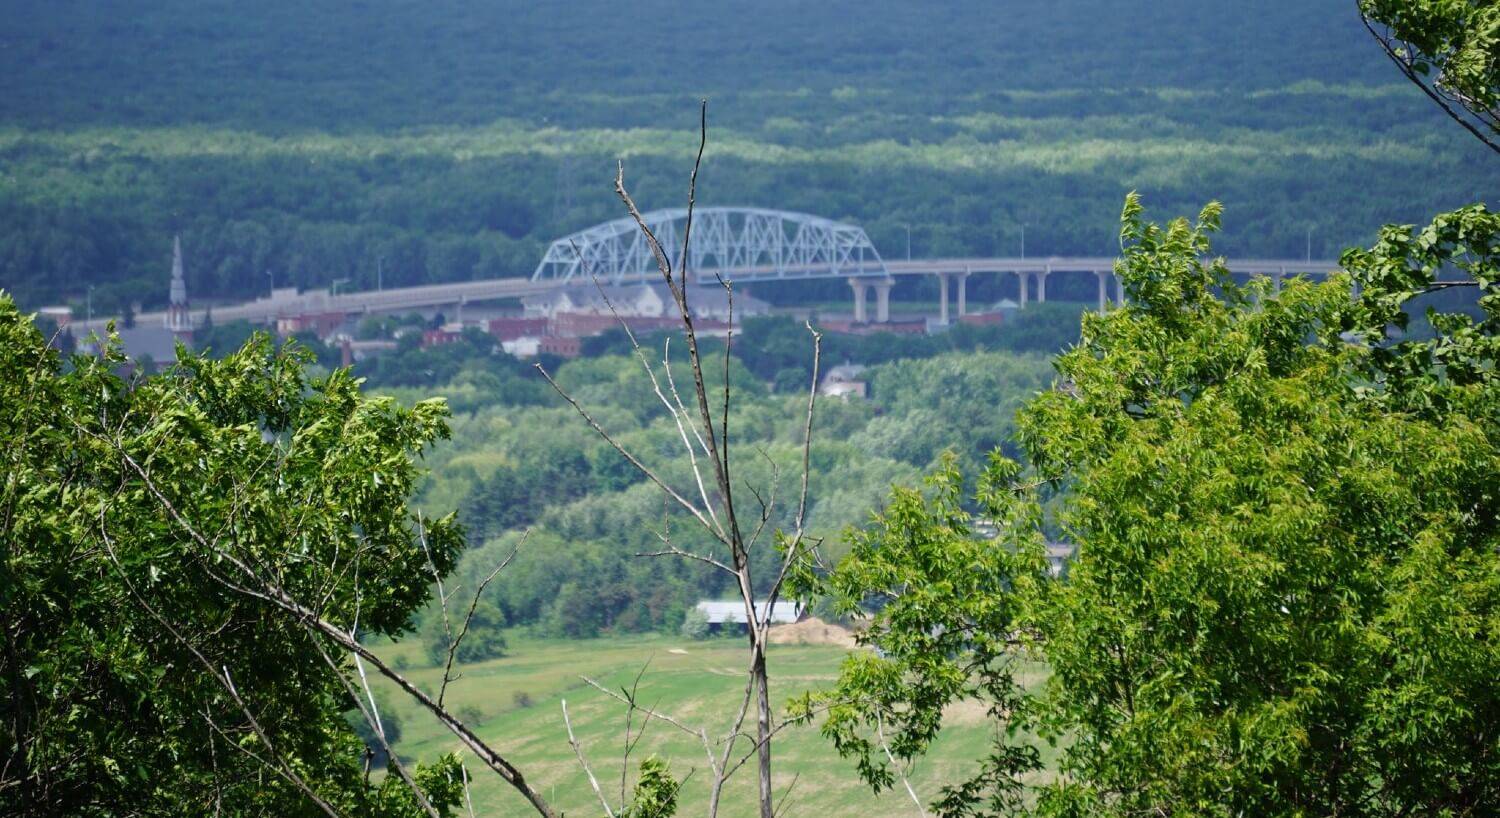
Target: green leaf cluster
1286,595
140,520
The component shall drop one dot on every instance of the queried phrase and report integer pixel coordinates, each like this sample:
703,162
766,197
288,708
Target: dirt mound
811,631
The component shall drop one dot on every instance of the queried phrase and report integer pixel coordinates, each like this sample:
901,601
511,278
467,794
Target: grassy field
699,683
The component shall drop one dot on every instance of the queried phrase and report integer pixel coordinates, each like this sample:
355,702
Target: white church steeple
178,320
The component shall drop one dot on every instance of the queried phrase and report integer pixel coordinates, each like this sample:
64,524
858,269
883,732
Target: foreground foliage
1286,599
139,674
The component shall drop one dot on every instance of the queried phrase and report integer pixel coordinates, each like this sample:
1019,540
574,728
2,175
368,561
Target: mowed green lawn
699,683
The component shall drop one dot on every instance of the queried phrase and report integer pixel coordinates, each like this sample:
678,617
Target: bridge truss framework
741,243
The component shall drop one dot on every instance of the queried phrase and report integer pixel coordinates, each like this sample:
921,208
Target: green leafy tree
185,560
655,792
944,629
1286,599
1281,570
481,639
390,723
1448,48
694,624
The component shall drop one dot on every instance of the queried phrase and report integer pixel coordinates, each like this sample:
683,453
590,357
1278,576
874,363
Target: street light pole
1309,245
89,297
270,276
1023,241
908,242
379,273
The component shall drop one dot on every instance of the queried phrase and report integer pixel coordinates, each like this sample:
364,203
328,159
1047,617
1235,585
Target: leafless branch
630,743
786,797
373,719
578,751
674,551
275,594
701,436
454,642
900,769
679,412
641,467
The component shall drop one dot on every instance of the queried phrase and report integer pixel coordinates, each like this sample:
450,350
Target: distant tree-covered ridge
451,141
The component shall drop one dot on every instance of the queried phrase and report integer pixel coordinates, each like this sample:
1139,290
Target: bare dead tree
703,431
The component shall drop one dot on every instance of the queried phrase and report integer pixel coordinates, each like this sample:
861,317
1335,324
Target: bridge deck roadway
283,303
1056,264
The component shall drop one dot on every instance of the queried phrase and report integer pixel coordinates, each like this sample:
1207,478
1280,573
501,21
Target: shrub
695,624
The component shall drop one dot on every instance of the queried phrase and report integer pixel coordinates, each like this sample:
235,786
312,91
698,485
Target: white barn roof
720,612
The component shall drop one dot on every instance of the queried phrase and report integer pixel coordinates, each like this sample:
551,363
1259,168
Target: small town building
560,346
157,345
448,333
355,349
510,328
848,326
641,301
587,324
526,346
982,319
844,381
321,324
1058,554
61,316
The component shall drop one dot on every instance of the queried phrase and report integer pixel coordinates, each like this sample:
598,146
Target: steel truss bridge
743,245
751,243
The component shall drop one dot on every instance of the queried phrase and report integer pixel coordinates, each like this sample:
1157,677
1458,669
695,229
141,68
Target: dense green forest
452,140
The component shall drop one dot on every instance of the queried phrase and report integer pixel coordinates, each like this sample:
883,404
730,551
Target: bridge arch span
742,244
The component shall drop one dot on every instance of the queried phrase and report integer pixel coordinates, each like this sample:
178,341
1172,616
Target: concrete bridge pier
963,292
860,288
1021,286
1103,289
943,299
1041,287
1119,290
883,300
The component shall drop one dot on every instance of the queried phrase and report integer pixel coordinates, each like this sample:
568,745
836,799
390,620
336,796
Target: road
286,302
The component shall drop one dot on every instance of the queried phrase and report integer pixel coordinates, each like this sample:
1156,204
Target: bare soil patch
811,631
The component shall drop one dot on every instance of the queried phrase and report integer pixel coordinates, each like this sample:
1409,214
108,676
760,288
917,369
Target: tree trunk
763,728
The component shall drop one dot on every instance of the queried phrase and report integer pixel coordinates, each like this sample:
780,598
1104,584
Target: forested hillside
514,466
453,139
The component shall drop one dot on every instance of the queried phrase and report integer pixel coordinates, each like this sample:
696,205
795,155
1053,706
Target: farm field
698,683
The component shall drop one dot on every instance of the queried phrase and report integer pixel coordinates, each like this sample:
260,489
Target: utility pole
379,273
270,276
1023,240
1309,244
89,297
908,242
